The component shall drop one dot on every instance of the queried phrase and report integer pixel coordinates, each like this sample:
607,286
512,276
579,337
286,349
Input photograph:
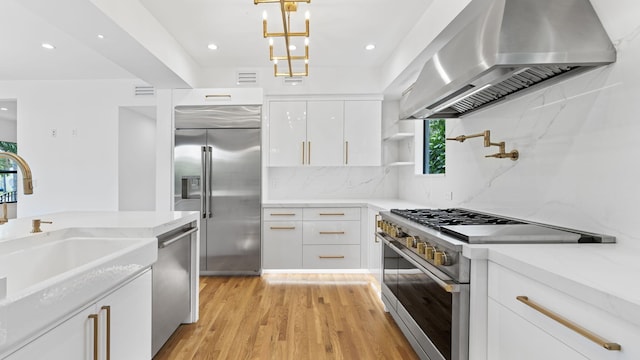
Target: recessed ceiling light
212,47
4,109
48,46
370,47
100,36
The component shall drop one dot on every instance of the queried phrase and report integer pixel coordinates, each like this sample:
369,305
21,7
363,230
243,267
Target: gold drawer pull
94,318
331,232
108,345
283,228
331,214
575,327
331,257
283,214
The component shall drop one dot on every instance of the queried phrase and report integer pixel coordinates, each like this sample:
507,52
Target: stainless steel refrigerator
217,165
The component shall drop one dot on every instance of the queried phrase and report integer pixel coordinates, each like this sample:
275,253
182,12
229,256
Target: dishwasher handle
170,241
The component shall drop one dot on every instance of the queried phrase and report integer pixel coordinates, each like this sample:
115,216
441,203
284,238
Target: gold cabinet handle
94,317
331,256
303,153
331,232
568,323
346,161
331,214
282,214
108,310
283,228
309,152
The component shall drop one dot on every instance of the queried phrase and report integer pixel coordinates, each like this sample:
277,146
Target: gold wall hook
486,135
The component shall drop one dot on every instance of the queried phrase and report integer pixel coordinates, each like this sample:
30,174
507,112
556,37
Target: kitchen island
86,273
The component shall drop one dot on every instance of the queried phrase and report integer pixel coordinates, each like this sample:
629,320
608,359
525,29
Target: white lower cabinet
311,238
117,326
282,238
523,323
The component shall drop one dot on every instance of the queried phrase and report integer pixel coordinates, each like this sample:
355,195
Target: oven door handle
446,285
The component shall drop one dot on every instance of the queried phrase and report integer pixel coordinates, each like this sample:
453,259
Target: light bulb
264,15
306,15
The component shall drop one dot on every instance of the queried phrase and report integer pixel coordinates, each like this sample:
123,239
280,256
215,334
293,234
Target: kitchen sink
42,265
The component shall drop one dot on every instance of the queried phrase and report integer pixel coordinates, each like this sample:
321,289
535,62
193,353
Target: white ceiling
23,58
339,31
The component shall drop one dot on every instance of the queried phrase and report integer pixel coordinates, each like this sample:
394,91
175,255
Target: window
8,174
434,147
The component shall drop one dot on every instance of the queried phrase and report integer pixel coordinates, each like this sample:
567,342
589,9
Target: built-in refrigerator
217,166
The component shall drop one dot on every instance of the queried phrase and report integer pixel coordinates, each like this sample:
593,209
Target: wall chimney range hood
496,50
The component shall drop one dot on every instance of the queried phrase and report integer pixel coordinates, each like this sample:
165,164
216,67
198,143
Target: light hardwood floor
292,316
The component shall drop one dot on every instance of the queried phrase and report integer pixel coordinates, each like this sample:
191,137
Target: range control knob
429,251
441,258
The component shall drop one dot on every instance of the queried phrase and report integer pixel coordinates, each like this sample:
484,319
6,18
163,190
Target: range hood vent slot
515,83
497,50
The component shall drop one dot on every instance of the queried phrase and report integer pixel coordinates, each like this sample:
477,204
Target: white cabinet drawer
281,214
505,285
331,256
331,232
282,245
331,214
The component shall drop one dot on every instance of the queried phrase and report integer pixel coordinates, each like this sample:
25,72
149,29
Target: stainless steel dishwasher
171,300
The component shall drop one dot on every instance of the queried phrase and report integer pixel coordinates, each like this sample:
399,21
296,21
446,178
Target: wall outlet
448,195
54,132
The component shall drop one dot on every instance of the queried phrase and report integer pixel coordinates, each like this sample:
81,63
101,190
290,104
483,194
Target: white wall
137,158
8,130
78,168
578,143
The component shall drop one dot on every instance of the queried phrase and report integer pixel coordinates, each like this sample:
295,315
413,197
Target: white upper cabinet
325,121
325,133
363,133
287,133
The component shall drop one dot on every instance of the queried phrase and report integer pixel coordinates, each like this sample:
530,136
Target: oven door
436,311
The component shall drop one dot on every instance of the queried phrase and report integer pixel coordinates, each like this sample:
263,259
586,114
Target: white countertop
101,223
378,204
603,275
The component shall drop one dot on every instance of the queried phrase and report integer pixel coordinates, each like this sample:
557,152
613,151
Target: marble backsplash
285,183
579,143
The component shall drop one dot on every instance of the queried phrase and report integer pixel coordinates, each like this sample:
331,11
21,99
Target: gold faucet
24,168
501,154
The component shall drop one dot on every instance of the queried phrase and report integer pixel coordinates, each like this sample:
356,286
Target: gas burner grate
436,218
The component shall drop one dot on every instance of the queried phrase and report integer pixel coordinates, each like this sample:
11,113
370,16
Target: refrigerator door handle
209,179
203,189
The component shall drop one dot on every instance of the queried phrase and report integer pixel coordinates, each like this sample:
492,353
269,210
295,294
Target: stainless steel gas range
426,278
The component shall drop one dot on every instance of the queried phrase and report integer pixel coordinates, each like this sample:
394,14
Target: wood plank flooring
292,316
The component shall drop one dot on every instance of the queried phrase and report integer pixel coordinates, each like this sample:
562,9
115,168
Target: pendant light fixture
287,8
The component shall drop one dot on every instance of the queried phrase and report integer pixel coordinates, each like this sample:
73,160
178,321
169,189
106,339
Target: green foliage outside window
434,146
6,146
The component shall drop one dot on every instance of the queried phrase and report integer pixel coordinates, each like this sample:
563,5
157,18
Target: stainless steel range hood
509,47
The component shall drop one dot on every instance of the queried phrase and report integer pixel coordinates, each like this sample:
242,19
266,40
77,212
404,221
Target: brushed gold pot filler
501,154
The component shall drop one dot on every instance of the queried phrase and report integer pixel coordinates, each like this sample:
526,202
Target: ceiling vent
246,78
141,90
292,81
